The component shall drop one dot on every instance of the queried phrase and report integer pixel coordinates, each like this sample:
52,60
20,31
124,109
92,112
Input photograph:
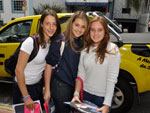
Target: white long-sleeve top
100,79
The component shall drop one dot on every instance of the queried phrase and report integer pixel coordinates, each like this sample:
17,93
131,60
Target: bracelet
26,97
76,93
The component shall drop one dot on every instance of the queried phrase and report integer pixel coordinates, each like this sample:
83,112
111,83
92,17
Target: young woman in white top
27,83
98,67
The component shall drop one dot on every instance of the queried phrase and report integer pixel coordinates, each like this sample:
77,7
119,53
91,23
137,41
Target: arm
21,64
81,74
52,59
113,71
47,77
76,92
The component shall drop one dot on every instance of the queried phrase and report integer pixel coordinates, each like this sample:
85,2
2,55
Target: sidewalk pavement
5,109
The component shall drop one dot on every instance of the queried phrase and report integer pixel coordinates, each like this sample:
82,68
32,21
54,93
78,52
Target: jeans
97,100
60,93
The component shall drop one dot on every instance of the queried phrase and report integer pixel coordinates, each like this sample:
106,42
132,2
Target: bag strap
35,48
37,45
81,91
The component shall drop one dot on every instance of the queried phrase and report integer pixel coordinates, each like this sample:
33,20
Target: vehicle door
10,37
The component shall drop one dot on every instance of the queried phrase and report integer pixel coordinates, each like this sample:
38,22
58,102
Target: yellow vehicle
134,75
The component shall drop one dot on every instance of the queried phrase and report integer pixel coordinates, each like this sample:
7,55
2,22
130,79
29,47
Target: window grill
18,5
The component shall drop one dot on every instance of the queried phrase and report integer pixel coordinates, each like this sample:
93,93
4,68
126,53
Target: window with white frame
1,5
17,5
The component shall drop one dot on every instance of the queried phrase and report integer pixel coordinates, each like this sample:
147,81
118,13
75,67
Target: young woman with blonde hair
63,81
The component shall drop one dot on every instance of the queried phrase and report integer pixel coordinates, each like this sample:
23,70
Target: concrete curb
6,108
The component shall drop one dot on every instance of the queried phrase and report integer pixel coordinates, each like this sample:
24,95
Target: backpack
11,62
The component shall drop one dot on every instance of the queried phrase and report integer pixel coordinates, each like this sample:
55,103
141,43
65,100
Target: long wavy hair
46,13
101,48
68,31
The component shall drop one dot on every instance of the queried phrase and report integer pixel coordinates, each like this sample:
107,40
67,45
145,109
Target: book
84,107
21,108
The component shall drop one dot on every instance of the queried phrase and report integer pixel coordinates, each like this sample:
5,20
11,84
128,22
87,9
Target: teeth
78,33
50,31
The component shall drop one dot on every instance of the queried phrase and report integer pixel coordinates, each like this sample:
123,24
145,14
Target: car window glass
15,32
63,19
63,22
141,50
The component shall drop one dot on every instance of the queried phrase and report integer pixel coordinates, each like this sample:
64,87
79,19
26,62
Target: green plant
42,7
134,3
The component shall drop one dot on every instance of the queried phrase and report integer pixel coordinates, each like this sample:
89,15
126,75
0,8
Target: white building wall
141,16
7,13
101,1
119,4
142,25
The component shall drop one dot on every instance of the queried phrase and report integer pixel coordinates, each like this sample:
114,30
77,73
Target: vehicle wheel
123,97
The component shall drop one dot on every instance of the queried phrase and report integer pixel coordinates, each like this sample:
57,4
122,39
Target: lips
51,32
95,37
78,33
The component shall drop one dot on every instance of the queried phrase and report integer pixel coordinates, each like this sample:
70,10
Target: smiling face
97,32
49,26
78,27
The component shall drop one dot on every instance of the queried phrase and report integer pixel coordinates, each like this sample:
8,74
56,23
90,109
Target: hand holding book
84,107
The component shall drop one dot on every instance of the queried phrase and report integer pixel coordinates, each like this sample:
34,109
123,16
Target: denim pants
97,100
60,93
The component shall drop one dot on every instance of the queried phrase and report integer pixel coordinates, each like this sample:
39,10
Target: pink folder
36,110
46,107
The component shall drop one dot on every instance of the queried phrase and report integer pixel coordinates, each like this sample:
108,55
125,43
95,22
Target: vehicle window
63,22
141,50
15,32
63,19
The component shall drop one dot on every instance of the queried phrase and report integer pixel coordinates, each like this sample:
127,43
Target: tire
123,97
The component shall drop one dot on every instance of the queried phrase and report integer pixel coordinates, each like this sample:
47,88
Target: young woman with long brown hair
98,66
27,85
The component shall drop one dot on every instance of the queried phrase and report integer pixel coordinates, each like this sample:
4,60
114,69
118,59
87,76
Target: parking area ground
144,106
6,101
5,109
